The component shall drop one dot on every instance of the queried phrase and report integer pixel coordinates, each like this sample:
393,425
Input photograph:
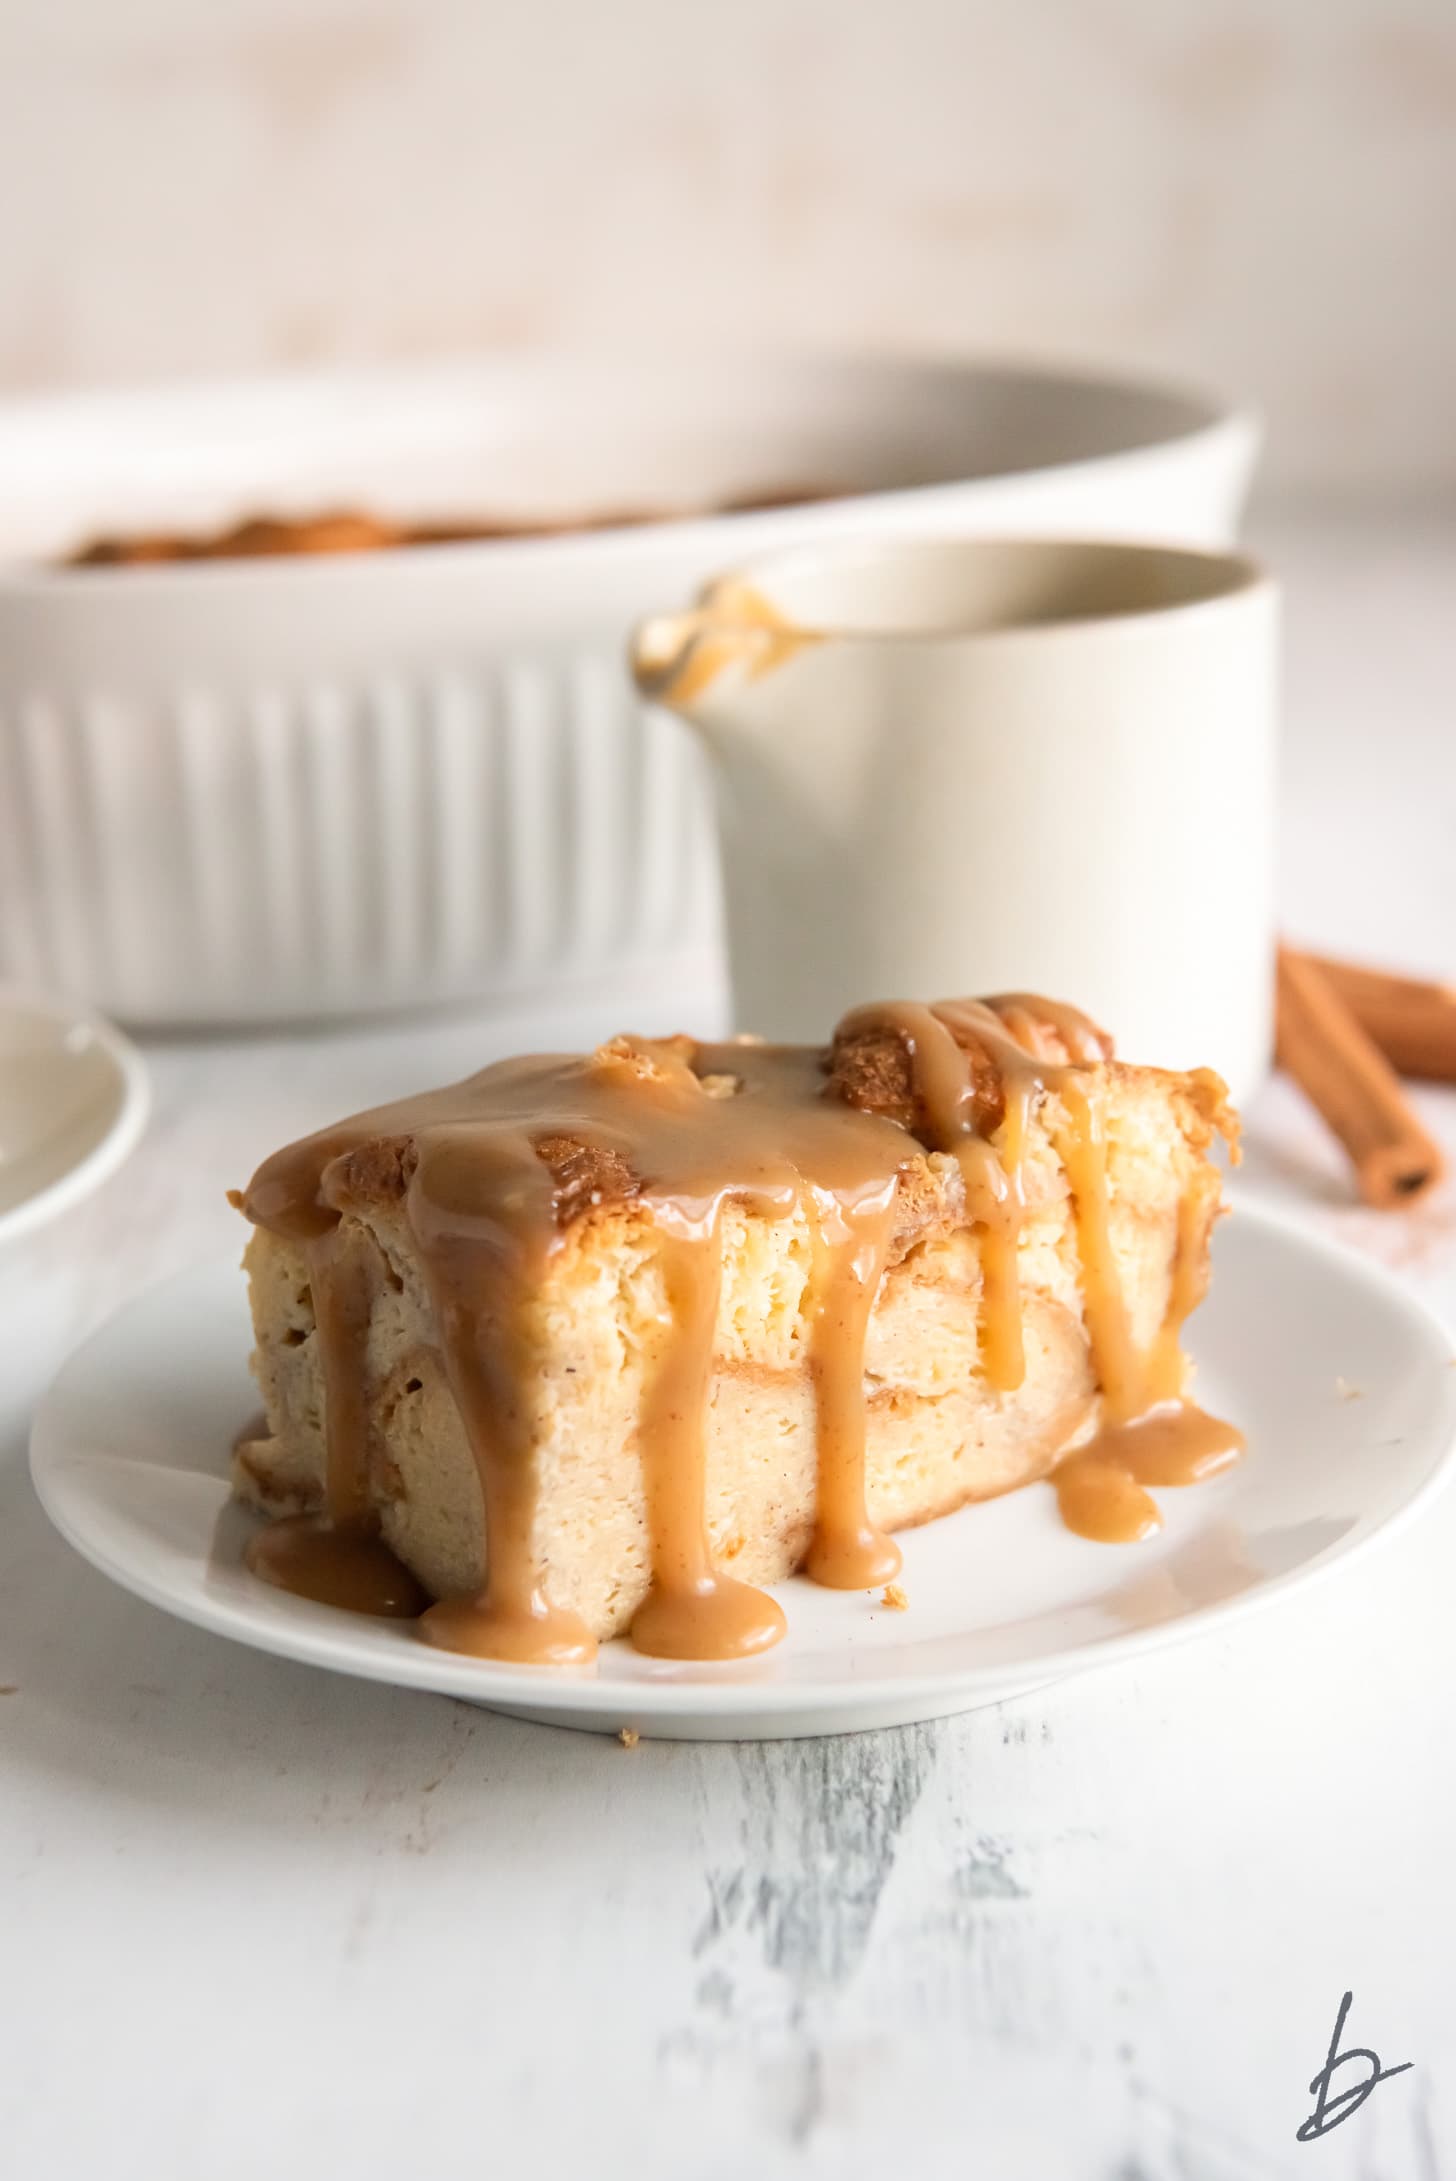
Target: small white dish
73,1102
130,1448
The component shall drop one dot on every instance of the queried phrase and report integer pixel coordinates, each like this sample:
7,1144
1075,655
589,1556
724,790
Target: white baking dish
298,787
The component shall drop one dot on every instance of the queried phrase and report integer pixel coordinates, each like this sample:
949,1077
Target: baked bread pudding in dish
354,530
593,1346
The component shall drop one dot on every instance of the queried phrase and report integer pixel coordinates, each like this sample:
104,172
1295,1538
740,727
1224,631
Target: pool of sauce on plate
693,1127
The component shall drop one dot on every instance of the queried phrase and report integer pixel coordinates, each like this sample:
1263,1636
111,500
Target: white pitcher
974,766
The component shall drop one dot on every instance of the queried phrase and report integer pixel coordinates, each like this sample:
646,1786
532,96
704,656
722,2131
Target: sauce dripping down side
1149,1433
847,1552
690,1612
685,1130
735,628
478,1317
340,1560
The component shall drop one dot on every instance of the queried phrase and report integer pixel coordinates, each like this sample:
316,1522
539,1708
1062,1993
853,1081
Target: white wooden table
256,1920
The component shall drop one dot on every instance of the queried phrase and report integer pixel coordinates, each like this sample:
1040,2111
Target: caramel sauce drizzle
690,1611
340,1559
846,1552
696,1127
481,1341
1149,1434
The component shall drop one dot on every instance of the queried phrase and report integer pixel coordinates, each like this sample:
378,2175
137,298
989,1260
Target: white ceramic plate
73,1101
130,1450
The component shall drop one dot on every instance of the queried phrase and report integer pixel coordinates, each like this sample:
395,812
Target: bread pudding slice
663,1325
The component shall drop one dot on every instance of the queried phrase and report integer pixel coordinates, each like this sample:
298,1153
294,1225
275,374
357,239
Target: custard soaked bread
590,1345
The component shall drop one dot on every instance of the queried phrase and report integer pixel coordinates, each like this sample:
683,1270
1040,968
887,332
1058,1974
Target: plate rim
122,1135
542,1692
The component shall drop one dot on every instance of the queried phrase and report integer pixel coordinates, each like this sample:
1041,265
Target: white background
1258,192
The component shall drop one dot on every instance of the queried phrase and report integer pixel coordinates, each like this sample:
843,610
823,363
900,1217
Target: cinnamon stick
1412,1021
1346,1076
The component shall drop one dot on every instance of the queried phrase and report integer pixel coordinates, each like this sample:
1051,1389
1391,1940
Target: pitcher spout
733,634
